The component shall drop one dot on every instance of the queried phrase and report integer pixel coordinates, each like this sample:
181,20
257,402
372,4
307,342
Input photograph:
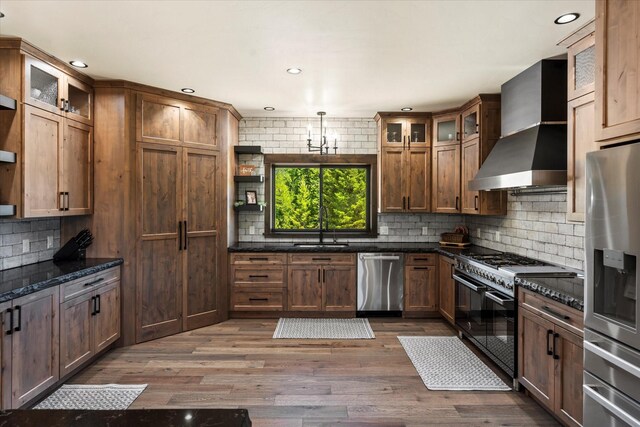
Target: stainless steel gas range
486,301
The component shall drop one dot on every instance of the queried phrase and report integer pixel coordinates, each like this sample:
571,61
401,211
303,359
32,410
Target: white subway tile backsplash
13,232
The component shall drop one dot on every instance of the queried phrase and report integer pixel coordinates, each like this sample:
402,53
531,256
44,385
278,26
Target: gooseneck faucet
324,215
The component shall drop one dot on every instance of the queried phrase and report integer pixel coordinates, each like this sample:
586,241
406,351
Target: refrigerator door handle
612,358
613,409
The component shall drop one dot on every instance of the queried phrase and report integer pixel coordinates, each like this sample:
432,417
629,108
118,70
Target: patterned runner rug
445,363
329,329
92,397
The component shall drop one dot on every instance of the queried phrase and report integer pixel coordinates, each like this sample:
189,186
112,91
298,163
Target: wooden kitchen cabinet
420,286
5,357
89,318
617,105
445,196
321,282
33,345
550,354
405,164
257,282
446,288
446,128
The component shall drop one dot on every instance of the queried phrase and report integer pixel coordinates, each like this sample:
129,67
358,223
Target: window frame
368,161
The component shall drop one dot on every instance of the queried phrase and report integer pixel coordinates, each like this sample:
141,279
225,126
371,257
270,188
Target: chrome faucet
324,215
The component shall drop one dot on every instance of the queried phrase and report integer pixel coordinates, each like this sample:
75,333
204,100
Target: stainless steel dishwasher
380,283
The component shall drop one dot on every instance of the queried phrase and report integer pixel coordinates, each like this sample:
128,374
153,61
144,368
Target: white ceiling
358,57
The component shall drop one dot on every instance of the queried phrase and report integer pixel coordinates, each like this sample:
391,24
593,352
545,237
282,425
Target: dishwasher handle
380,257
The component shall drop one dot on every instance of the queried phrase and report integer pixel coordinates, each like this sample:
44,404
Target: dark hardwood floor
236,364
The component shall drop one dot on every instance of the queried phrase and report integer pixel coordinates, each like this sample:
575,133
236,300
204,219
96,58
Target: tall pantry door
201,269
159,249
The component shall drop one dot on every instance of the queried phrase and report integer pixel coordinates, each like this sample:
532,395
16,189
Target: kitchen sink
320,245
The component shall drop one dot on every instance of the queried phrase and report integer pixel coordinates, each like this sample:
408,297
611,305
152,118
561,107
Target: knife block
70,252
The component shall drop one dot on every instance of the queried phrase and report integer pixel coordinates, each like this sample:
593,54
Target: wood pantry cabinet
420,284
89,318
550,355
30,346
162,205
51,132
463,138
405,163
258,281
617,105
446,288
322,282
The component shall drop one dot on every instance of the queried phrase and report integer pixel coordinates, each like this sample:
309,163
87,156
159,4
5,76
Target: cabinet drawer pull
421,268
422,259
258,299
555,346
475,202
258,276
94,282
19,310
549,351
555,313
457,202
98,304
259,259
408,203
10,313
321,259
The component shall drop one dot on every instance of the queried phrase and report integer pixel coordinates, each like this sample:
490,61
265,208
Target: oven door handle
468,284
615,410
611,358
500,301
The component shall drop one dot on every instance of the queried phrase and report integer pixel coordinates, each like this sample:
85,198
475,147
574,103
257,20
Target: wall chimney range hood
532,151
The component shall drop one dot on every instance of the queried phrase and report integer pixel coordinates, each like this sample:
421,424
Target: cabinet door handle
179,235
457,202
324,275
403,202
185,235
404,139
62,104
477,127
555,346
66,201
458,136
475,202
61,201
94,282
555,313
258,299
258,276
93,306
10,313
18,308
98,304
408,202
318,275
549,351
68,106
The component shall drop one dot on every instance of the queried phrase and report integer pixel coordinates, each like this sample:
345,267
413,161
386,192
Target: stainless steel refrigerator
612,309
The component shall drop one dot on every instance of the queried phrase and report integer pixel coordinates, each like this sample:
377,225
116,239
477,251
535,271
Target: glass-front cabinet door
393,132
78,101
43,86
417,131
471,123
446,129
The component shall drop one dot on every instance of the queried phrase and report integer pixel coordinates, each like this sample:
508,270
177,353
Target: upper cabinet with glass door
52,90
404,131
471,123
446,128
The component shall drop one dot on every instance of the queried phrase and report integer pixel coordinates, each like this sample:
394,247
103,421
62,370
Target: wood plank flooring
236,364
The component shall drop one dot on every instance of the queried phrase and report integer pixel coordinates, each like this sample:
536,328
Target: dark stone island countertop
362,247
25,280
566,290
126,418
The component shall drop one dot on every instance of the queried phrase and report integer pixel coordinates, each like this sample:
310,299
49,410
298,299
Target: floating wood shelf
249,208
7,157
250,178
7,103
7,210
247,149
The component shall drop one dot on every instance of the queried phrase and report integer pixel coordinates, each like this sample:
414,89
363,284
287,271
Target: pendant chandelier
323,145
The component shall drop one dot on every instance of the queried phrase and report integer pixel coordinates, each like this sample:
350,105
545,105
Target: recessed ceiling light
406,109
566,18
269,108
78,64
294,70
187,90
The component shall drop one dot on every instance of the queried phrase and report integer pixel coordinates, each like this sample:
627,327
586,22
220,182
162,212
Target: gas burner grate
506,259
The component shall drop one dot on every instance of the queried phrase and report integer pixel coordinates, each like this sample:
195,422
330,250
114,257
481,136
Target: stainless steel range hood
533,149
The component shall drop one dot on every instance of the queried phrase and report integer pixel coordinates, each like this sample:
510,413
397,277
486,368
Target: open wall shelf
252,178
247,149
7,103
7,157
249,208
7,210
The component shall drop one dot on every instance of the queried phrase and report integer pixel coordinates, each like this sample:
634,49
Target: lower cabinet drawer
88,284
558,313
322,258
266,275
420,259
244,300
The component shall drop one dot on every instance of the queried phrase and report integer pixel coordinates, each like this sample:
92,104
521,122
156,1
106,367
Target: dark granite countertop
362,247
21,281
566,290
127,418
